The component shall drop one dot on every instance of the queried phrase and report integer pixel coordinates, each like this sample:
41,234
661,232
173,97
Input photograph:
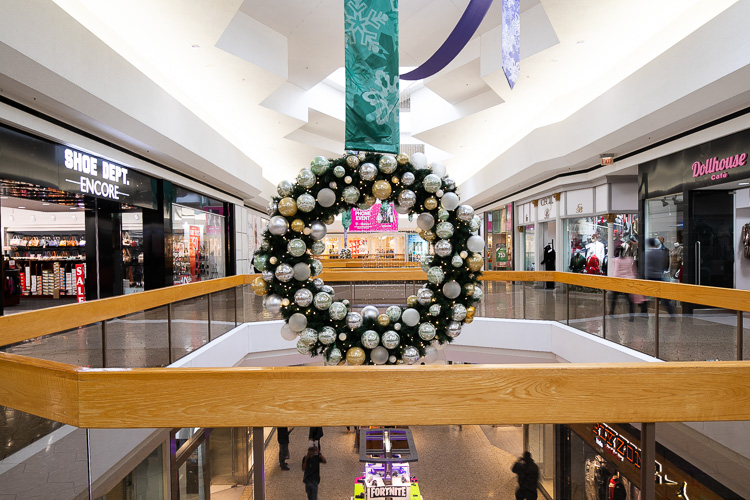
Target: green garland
456,266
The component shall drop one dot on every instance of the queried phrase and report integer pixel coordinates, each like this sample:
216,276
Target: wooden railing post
648,461
740,336
259,466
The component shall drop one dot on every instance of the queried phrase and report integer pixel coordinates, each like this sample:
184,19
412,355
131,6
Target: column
610,241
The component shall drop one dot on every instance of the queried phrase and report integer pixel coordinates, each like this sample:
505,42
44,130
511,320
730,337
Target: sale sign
80,283
377,218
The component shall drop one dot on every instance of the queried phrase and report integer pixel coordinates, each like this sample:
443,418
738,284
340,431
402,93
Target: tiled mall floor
454,462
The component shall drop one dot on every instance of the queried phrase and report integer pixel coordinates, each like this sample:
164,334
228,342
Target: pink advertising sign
376,218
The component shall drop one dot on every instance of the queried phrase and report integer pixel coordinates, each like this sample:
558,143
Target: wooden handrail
28,325
407,395
24,326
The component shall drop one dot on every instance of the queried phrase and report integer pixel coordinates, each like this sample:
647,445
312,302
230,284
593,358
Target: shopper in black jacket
282,436
528,477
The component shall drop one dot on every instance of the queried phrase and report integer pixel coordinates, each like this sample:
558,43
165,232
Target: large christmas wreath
324,326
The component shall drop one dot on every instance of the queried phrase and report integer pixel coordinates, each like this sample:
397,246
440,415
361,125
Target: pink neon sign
717,167
376,218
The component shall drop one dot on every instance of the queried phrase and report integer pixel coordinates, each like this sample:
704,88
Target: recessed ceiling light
196,46
580,42
744,183
21,207
45,204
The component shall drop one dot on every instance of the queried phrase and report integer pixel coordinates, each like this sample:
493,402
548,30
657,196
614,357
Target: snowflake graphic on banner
511,43
364,25
382,99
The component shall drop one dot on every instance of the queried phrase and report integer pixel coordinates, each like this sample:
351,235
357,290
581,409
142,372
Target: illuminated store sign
716,167
105,179
388,492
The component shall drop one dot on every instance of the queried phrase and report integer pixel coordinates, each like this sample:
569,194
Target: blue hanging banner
511,42
372,90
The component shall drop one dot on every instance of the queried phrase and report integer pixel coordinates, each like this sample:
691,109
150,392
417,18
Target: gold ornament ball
329,220
285,302
273,260
298,225
429,235
468,319
352,161
287,207
394,179
411,301
381,189
469,289
475,262
470,311
402,159
431,203
370,200
259,286
355,356
383,320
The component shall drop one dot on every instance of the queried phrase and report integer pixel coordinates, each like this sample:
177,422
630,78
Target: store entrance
711,237
43,247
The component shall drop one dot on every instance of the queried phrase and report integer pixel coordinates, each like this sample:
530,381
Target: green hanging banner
372,95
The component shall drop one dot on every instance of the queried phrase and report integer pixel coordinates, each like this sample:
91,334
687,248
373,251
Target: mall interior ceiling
242,94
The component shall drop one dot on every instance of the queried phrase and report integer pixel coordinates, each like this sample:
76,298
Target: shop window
198,245
587,249
664,223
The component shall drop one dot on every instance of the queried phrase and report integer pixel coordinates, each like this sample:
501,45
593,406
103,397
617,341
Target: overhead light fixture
12,218
74,217
664,202
45,204
54,218
33,217
744,183
21,207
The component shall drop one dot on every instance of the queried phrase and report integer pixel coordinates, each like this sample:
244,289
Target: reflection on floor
454,462
19,429
36,303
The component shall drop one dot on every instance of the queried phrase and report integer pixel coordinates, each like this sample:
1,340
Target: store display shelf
51,259
71,247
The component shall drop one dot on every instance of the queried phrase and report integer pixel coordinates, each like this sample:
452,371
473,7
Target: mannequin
675,261
548,261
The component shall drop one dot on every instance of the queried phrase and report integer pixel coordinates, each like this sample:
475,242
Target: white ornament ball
390,339
451,289
424,296
303,297
450,201
427,331
308,336
370,339
301,271
327,335
437,168
298,322
411,317
430,354
278,225
379,355
342,336
418,160
326,197
392,359
475,243
425,221
287,333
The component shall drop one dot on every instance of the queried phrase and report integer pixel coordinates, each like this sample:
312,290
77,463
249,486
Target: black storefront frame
25,157
684,173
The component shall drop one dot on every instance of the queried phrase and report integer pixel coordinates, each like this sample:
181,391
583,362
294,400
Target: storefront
499,238
695,205
526,239
603,461
596,221
76,225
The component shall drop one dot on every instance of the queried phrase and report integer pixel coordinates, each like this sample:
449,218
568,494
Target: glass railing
158,336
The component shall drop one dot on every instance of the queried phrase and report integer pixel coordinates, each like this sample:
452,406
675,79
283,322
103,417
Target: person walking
623,266
311,465
528,477
282,436
314,436
657,263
